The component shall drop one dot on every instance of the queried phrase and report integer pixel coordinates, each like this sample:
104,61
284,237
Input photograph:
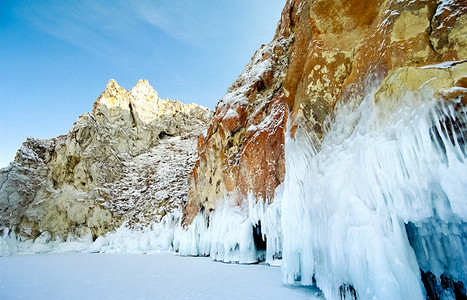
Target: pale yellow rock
57,186
410,24
404,79
459,71
458,36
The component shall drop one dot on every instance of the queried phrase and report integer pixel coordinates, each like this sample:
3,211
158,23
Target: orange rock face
243,149
262,164
323,52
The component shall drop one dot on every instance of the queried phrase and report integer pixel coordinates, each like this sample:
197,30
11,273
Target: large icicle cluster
243,234
381,167
362,212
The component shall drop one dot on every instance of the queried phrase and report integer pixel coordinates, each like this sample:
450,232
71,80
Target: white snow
150,239
236,95
156,182
139,276
443,5
10,244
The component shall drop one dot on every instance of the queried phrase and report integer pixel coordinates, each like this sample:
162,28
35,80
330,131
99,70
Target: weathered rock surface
336,73
243,149
323,52
106,169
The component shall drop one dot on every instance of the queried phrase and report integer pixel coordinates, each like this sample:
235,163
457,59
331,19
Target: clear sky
56,56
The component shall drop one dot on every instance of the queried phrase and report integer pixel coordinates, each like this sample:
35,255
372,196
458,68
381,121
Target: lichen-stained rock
323,52
106,169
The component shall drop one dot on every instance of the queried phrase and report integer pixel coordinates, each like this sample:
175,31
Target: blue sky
57,56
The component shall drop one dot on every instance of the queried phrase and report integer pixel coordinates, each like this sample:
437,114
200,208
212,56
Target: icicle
381,166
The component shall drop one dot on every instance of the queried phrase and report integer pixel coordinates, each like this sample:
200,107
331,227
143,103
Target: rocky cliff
341,149
126,160
339,153
323,52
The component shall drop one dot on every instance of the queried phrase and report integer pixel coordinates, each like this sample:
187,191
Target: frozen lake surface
139,276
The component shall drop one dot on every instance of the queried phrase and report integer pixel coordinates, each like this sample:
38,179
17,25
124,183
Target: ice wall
381,167
228,234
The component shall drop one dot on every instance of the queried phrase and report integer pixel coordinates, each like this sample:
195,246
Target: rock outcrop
106,169
378,84
323,52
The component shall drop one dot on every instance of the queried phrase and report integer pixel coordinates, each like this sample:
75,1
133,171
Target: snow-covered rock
126,160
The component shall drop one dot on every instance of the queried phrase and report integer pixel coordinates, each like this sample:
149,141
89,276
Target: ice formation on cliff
361,213
243,234
383,196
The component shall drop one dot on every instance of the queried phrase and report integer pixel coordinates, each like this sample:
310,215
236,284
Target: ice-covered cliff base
242,234
376,210
153,238
383,197
367,213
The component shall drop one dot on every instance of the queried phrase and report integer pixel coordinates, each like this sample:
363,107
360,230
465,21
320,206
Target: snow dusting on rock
127,161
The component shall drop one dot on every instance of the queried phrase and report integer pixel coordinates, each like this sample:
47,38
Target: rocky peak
75,184
113,95
143,90
112,88
141,106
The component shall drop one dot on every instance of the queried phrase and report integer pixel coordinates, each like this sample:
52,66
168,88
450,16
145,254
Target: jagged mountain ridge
77,184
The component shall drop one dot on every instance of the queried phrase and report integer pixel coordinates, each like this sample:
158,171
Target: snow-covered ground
139,276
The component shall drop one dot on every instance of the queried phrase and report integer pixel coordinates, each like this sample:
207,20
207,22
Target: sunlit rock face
343,143
108,169
323,52
243,148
